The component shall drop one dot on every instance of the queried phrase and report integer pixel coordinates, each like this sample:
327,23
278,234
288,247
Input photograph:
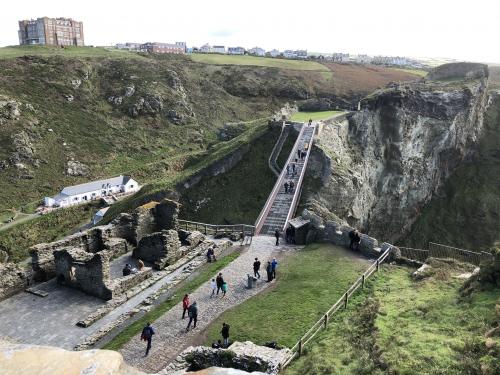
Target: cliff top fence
214,229
342,302
437,250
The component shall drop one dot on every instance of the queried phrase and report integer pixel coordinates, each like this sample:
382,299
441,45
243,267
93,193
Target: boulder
69,98
129,91
9,109
4,256
76,168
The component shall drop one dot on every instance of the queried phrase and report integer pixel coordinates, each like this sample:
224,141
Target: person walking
219,281
256,268
193,315
225,334
288,169
185,305
213,285
147,335
269,270
274,265
310,121
303,155
291,185
224,289
277,235
299,152
293,168
286,187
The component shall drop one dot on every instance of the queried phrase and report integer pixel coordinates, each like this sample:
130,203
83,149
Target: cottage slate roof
95,185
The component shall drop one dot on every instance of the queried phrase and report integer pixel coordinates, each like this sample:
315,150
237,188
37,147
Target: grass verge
315,116
308,283
403,326
202,277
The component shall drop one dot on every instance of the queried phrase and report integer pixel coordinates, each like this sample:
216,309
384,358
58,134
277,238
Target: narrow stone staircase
280,206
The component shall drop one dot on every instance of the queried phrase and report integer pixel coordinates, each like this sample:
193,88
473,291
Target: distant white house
236,50
219,49
206,48
274,53
77,194
257,51
99,215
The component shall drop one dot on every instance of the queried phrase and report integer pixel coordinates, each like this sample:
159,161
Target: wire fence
342,302
415,254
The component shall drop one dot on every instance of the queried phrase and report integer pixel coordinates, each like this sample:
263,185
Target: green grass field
315,116
18,51
204,275
402,326
218,59
307,284
417,72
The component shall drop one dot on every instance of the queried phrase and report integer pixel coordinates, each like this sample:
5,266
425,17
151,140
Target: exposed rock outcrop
13,279
9,109
387,160
76,168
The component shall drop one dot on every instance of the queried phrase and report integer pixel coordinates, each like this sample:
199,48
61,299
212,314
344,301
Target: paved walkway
276,215
171,337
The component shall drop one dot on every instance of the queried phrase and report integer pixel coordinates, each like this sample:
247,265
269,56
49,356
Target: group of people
129,270
289,186
218,285
301,154
270,269
191,309
291,167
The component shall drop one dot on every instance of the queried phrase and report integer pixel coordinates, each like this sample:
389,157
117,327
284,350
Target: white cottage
82,193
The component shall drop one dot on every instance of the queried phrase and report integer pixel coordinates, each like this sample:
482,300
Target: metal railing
342,302
415,254
214,229
278,146
437,250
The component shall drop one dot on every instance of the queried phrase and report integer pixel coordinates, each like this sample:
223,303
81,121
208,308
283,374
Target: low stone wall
245,356
160,248
13,279
123,284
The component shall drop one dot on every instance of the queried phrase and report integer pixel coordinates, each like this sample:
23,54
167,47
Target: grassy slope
204,275
466,213
236,196
308,283
47,228
315,116
257,61
18,51
418,327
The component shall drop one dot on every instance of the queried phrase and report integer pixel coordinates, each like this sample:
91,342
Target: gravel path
171,337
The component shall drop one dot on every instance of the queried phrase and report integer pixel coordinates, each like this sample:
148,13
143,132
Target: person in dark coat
219,281
147,335
127,270
269,270
193,315
225,334
277,235
303,155
355,240
291,185
299,152
256,268
286,187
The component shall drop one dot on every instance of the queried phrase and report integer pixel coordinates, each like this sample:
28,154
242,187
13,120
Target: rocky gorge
379,167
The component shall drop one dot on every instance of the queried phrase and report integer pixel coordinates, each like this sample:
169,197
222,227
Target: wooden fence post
346,300
326,320
377,265
300,347
362,280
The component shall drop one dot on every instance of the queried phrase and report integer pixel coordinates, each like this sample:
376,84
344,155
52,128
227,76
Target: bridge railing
342,302
438,250
277,186
214,229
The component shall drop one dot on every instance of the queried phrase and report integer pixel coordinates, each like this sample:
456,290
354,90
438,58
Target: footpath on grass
171,337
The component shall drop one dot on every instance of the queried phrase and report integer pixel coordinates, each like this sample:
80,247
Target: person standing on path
286,187
185,305
147,335
213,285
293,168
193,315
291,185
299,152
274,265
277,235
256,268
269,270
219,281
225,334
288,169
224,289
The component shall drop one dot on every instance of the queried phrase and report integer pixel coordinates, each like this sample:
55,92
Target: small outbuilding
299,228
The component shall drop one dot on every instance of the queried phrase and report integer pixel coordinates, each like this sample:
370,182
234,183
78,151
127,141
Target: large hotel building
51,31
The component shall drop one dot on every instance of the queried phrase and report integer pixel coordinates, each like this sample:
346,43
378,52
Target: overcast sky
461,29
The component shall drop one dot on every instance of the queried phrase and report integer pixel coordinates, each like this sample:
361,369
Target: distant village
68,32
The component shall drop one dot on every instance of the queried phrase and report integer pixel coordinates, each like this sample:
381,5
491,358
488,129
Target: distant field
417,72
315,116
257,61
17,51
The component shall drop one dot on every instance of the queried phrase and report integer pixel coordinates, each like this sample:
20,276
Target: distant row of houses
345,58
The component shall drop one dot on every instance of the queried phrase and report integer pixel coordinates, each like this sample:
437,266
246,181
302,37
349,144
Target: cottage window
131,186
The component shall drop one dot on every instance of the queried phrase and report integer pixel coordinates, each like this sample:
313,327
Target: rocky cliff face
379,167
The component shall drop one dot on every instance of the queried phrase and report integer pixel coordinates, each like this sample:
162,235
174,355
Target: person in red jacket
185,305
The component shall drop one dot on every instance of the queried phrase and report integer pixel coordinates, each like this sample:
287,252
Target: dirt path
171,337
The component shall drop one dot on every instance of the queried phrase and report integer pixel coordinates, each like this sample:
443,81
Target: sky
459,29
